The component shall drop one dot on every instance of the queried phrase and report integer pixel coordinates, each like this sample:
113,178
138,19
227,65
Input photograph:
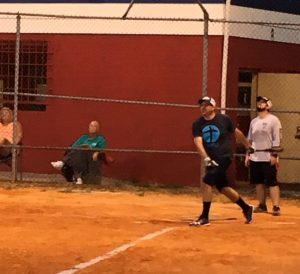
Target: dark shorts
217,176
5,151
263,173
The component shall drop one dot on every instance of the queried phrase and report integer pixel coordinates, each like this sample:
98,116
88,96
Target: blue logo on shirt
210,134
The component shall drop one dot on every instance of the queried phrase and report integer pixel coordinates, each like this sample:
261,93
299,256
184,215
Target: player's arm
247,155
276,134
199,145
276,141
241,138
201,150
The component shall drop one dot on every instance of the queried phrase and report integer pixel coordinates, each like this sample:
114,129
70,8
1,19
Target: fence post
16,89
128,9
204,69
205,50
225,56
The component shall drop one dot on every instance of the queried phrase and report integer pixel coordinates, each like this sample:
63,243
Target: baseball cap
266,99
207,99
259,98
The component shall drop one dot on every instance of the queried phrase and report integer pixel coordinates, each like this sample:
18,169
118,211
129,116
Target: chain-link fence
259,59
141,77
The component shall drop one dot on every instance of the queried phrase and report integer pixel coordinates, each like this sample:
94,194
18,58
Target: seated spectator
6,132
84,165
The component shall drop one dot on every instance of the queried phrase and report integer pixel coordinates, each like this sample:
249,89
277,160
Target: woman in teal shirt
84,165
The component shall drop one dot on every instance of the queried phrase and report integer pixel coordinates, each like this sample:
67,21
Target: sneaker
249,214
276,211
78,181
200,222
58,164
261,208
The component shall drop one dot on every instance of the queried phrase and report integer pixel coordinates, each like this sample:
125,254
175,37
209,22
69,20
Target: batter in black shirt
212,134
216,135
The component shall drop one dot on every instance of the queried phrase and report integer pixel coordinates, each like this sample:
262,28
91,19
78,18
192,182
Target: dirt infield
48,231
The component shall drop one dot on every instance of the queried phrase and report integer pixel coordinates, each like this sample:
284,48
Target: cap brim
259,98
202,101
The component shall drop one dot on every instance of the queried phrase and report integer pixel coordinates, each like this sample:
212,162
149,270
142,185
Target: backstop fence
233,58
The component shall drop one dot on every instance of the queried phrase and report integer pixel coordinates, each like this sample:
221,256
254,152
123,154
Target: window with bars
33,60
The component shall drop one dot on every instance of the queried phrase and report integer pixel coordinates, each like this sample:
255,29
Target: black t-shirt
216,135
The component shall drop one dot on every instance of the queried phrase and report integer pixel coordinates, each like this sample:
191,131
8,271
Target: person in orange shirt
6,132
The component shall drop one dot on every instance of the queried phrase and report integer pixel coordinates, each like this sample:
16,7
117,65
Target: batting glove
209,162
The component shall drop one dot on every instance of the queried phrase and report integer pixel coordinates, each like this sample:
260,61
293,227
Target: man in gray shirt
264,133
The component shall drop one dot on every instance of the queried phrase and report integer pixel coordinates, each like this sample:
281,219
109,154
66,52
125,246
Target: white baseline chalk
115,251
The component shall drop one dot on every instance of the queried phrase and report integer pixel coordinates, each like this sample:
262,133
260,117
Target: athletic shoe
78,181
276,211
249,214
200,222
261,208
58,164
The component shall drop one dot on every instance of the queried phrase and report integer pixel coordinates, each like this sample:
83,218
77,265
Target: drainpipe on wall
225,56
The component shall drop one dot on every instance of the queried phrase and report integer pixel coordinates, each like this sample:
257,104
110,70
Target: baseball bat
273,149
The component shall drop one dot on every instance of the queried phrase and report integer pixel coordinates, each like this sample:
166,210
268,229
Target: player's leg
230,193
261,197
257,179
203,219
222,185
206,198
275,197
207,193
236,198
271,181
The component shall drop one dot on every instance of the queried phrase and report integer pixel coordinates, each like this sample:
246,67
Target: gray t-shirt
264,133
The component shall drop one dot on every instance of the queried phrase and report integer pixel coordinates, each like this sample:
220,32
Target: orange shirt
6,132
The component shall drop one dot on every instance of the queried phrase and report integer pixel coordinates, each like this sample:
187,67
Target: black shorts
218,175
263,173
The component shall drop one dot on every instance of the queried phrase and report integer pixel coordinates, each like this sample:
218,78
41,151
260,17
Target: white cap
207,99
266,99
